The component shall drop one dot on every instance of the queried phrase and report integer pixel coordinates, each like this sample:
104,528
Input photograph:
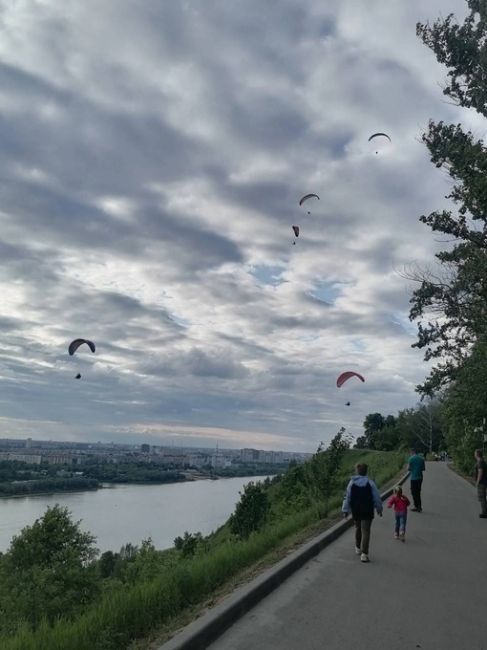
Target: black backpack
362,501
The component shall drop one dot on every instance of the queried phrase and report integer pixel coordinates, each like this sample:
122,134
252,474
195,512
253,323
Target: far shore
110,485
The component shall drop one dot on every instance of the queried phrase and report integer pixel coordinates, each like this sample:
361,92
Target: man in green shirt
416,467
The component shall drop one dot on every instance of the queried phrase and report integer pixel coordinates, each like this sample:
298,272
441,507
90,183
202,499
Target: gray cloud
153,159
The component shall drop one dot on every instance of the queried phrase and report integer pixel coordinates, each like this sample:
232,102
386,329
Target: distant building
249,455
218,461
58,459
145,449
31,459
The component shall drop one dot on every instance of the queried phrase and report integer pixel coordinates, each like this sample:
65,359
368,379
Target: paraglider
345,376
347,404
379,135
306,197
296,233
74,345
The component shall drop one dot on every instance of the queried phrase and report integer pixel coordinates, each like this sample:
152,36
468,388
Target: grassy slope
183,588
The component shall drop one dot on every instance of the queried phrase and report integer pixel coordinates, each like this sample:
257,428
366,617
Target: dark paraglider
306,197
296,233
379,135
74,345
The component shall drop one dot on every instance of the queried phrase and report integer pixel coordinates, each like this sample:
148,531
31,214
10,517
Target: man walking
361,498
481,481
416,467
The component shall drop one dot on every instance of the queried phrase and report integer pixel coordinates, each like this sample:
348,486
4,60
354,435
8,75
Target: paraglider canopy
376,135
379,135
308,196
296,230
345,376
347,404
78,376
74,345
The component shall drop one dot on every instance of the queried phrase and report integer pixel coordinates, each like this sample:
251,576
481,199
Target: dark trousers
482,496
416,492
362,534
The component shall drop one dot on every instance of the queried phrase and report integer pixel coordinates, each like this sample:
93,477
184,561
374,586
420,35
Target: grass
173,598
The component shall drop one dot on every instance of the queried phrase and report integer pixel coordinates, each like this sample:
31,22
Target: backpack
362,501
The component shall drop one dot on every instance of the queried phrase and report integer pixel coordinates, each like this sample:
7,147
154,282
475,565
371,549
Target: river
130,513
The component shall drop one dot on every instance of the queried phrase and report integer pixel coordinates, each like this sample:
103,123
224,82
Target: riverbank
204,565
161,512
101,477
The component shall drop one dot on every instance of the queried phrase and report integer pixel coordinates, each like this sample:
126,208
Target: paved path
429,593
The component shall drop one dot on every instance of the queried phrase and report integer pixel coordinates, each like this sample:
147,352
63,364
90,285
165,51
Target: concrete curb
204,630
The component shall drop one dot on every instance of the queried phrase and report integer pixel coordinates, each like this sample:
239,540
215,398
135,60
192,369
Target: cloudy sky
153,157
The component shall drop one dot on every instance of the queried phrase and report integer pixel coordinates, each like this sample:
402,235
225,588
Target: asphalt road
429,592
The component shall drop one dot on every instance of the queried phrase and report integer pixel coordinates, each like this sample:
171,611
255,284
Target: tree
251,511
188,544
379,433
373,423
421,427
465,408
48,571
452,302
324,468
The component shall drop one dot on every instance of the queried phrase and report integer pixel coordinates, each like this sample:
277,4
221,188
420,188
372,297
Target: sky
153,158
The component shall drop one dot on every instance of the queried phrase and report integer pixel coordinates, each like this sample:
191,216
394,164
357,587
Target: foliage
452,302
421,427
323,469
188,544
47,485
251,511
131,472
379,433
146,588
465,408
47,571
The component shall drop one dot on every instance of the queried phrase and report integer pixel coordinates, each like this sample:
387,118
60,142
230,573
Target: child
400,503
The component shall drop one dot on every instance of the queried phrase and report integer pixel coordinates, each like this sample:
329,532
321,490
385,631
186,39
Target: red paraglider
345,376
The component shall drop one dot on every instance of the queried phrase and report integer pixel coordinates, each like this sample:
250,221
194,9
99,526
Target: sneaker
483,516
357,551
396,536
364,558
415,510
402,537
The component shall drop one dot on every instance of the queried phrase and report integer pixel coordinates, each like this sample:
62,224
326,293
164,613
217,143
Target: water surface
131,513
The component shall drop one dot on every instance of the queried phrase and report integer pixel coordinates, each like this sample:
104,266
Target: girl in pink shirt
400,504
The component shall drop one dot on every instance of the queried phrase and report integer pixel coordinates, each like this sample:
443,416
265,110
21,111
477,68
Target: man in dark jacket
361,498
